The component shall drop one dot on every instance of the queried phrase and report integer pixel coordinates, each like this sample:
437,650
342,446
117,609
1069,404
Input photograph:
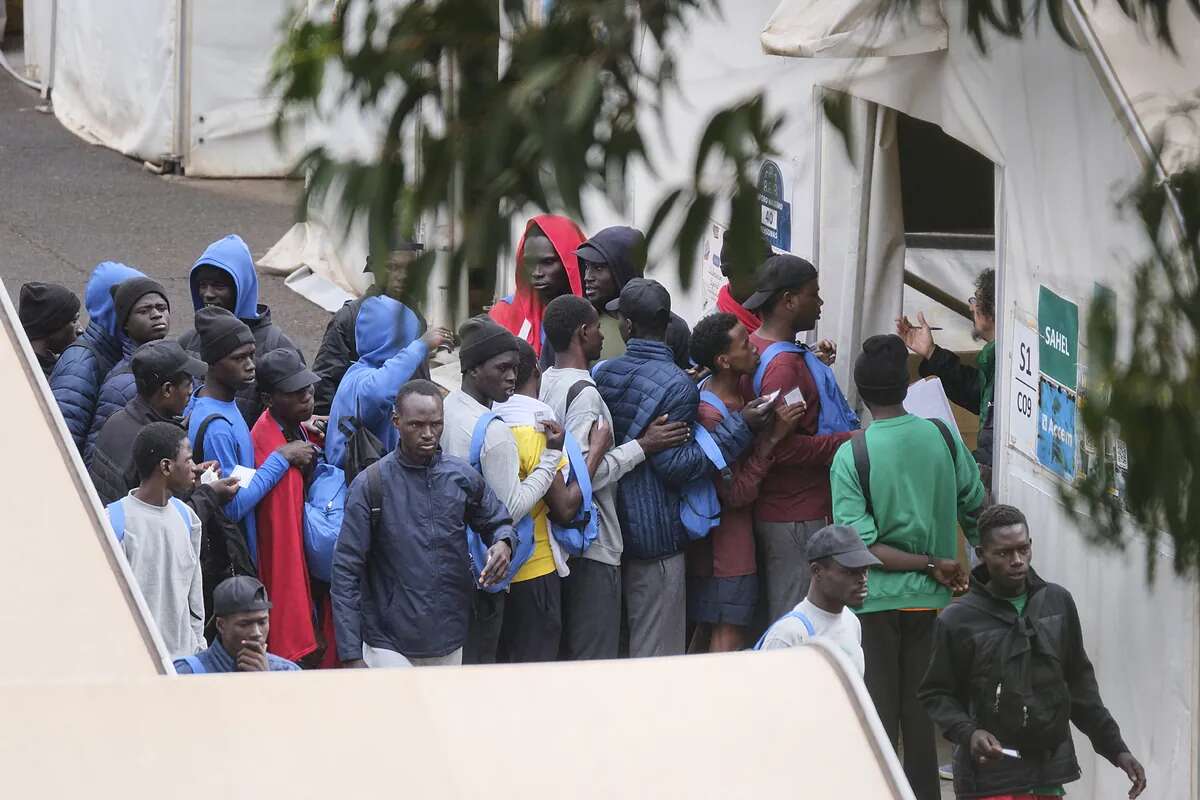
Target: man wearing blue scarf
794,501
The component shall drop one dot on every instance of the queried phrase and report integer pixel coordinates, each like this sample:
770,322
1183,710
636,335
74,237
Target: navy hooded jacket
115,393
389,354
84,365
233,257
639,387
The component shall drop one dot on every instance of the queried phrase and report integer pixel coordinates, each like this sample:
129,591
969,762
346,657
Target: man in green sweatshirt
904,491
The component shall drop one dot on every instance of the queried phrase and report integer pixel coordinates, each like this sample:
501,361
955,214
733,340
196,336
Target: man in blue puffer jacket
142,314
84,365
224,276
639,387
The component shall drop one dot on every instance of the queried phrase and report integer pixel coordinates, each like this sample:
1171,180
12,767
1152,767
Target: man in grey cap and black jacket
240,606
838,562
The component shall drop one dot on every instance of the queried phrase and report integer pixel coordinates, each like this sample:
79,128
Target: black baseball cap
157,362
239,594
843,544
777,273
642,300
282,370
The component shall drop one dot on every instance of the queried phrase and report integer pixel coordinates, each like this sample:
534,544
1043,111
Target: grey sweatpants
382,658
782,556
656,603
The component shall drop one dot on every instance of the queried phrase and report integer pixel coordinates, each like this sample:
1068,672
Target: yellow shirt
530,444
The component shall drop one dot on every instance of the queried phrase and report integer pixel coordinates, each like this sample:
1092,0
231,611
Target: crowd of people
606,482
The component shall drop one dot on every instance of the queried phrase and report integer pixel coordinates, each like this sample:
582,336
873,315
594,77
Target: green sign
1058,331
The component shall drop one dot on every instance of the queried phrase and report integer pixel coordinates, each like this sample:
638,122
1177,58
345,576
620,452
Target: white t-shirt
841,629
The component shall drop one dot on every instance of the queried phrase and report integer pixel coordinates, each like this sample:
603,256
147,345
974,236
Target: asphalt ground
66,205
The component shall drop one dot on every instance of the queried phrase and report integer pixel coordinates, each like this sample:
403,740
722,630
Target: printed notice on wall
711,279
1058,323
1023,391
1056,429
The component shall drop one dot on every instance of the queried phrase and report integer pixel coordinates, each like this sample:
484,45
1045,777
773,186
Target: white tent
1065,130
177,81
92,707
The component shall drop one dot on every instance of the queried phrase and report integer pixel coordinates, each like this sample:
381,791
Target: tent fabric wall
117,77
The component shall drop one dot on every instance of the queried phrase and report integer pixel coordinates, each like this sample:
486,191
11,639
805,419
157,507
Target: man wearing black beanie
489,358
904,484
215,424
49,314
142,315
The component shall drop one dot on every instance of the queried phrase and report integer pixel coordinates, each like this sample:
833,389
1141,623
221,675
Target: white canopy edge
853,29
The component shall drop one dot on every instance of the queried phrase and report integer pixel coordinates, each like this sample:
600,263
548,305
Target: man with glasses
967,386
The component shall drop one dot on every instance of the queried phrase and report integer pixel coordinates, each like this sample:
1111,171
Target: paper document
793,397
928,399
208,476
243,474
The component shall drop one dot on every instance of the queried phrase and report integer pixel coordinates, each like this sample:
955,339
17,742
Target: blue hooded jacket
231,255
81,370
390,352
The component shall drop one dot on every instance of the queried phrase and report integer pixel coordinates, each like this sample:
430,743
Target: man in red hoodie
287,389
546,268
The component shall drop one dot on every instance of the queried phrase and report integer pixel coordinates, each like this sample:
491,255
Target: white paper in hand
793,397
928,399
208,476
243,474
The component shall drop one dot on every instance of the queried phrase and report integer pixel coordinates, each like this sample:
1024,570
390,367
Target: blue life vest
836,416
476,549
808,626
577,537
116,515
324,510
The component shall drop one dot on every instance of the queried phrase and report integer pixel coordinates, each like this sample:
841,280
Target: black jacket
963,384
111,466
960,678
339,349
406,585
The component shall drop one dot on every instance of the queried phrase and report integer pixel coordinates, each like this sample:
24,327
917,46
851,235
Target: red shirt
728,550
797,487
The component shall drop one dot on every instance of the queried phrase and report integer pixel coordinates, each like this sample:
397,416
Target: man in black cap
241,608
142,315
286,385
905,484
339,346
838,561
489,357
639,387
794,500
216,426
163,372
609,260
49,314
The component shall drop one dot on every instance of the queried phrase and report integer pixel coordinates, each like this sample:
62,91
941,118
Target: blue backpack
699,505
195,663
476,549
808,626
324,509
836,416
116,516
577,537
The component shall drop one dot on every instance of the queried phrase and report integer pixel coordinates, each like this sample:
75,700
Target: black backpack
862,458
223,549
1027,702
363,448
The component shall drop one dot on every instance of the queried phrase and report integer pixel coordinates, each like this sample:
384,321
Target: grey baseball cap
843,544
239,594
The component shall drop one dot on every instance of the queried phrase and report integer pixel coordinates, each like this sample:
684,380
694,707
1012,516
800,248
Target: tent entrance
906,218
